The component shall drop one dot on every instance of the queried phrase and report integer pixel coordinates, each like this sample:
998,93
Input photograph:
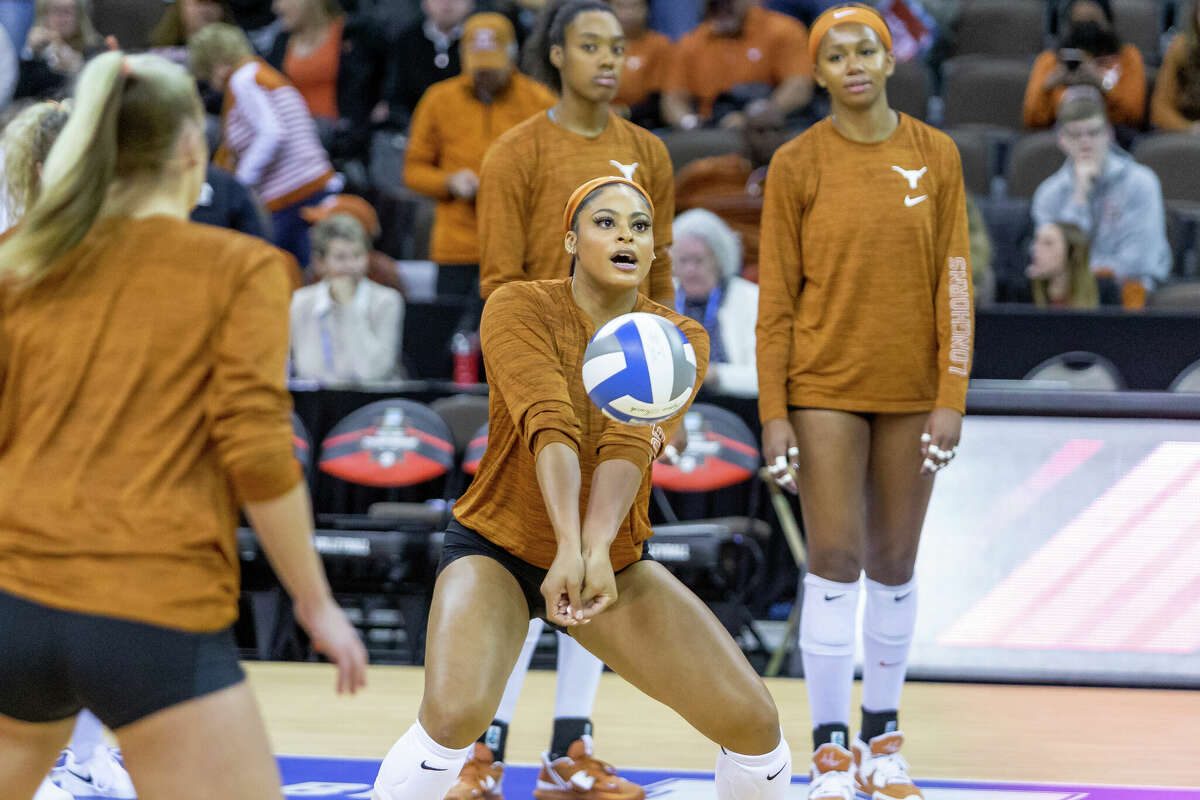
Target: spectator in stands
270,142
183,18
226,203
61,39
381,267
647,58
1059,268
337,63
706,258
424,54
1117,201
8,69
453,126
983,278
732,185
1089,54
741,60
345,329
1175,104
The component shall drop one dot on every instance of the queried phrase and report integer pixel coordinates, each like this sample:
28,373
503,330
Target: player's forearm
284,527
615,485
559,478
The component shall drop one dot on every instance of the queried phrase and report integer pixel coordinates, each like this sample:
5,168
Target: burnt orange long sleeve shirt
141,397
528,176
864,275
533,337
1125,100
451,130
1171,99
646,61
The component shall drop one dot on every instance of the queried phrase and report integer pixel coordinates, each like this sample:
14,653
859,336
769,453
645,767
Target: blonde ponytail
26,143
124,122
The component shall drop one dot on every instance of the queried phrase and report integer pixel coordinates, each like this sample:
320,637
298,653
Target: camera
1072,57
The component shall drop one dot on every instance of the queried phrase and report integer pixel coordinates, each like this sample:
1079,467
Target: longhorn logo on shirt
626,170
912,176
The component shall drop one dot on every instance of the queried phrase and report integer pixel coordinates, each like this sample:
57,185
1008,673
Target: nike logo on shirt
425,765
900,597
776,775
910,201
829,597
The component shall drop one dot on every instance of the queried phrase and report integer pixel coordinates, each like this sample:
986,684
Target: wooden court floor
954,731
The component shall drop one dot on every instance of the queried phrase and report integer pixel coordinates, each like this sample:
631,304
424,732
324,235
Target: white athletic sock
88,734
512,690
888,625
827,646
578,679
765,777
418,768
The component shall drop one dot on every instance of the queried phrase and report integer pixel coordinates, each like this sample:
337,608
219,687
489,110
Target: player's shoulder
805,146
930,137
527,133
225,249
644,140
520,298
690,327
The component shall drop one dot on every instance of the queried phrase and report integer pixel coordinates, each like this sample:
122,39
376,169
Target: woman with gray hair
707,260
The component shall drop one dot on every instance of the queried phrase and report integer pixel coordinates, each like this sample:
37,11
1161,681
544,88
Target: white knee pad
828,616
891,613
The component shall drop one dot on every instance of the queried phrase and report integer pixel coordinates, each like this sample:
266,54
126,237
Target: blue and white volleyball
639,369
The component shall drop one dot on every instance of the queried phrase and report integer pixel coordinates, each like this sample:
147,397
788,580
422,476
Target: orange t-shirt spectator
739,48
1090,53
452,128
1175,105
647,58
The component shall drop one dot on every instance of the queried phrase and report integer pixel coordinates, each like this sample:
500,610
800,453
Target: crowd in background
371,119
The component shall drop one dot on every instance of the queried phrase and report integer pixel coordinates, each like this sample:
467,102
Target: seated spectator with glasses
1117,201
742,59
1089,54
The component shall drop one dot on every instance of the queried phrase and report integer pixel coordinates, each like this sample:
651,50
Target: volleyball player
527,175
141,399
864,345
554,523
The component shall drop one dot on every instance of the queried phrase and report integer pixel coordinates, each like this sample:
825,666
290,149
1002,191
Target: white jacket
737,316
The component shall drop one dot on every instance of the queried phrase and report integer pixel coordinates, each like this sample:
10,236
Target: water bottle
464,347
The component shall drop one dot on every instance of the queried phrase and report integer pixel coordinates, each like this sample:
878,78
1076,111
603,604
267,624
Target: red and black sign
475,449
389,443
721,451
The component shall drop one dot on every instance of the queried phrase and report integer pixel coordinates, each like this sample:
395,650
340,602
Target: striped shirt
271,142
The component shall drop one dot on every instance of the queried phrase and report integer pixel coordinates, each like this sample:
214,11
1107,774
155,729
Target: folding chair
389,555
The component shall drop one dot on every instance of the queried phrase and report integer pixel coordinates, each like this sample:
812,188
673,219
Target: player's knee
836,564
755,729
457,724
827,624
891,561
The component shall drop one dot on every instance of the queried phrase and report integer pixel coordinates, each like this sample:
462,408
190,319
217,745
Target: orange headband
591,186
850,13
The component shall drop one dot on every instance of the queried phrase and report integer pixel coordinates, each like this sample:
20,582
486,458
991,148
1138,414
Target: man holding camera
1089,54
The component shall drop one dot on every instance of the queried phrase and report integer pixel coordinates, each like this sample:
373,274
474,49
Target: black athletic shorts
54,663
460,541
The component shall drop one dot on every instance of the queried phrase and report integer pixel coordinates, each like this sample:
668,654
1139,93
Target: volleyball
639,369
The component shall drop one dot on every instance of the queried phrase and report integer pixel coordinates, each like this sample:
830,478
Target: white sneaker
50,791
102,775
831,774
880,771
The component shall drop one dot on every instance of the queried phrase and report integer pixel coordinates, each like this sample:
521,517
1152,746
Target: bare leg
212,746
898,497
27,751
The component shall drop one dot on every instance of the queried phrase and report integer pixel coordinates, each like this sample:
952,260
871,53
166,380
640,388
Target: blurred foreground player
141,399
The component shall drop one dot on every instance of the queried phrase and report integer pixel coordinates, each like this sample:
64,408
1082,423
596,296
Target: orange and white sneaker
579,775
831,776
480,777
880,772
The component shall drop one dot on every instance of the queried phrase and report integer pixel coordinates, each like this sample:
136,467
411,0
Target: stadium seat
984,91
1175,159
1183,235
465,414
688,146
1034,157
1189,379
1004,28
977,151
1078,371
908,88
1139,22
1183,296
